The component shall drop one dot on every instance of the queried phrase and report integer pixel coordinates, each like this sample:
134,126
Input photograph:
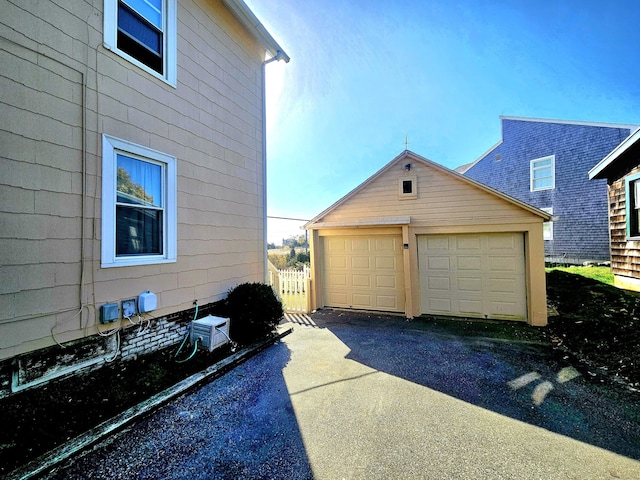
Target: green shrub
254,310
303,258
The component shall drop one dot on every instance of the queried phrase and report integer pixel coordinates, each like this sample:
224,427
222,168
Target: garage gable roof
408,155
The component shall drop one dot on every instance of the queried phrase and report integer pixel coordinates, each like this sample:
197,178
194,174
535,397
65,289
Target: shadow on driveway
241,425
522,381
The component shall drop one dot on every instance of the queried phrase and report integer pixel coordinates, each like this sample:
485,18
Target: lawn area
601,274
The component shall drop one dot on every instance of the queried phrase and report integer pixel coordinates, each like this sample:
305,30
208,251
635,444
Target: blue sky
363,74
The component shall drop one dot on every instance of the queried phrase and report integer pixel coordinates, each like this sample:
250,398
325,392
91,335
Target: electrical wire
117,352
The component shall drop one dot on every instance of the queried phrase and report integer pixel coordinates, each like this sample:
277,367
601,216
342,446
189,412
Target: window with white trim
143,32
407,187
632,189
547,227
543,175
139,224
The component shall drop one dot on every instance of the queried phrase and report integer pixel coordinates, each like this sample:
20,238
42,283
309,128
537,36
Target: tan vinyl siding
441,200
443,204
211,122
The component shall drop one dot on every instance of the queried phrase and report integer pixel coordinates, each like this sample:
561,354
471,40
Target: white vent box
147,302
210,332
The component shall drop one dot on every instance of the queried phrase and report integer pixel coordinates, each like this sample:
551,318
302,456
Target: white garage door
480,275
363,272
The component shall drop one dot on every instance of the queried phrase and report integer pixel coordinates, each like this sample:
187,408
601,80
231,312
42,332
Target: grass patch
601,274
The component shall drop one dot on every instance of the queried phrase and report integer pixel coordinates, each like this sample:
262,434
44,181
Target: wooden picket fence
292,287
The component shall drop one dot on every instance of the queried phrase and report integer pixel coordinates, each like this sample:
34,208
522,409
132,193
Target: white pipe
279,55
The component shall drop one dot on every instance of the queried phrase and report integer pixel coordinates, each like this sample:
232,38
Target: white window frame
534,168
414,187
170,39
547,227
111,146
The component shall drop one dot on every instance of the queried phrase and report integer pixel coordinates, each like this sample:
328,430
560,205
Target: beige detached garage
420,239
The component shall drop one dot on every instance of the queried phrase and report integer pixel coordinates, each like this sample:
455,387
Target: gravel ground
364,396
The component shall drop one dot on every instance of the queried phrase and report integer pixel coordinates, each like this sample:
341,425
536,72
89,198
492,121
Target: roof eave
244,14
315,221
598,171
570,122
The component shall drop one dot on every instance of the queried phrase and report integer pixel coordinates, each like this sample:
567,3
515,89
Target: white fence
292,287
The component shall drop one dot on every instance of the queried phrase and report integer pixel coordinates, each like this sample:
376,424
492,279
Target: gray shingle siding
581,230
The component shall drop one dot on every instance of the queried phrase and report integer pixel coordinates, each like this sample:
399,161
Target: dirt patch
598,325
37,420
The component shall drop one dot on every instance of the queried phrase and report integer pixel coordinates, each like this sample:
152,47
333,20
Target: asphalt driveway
361,396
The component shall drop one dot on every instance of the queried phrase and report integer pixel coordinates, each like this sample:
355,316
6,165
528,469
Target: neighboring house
621,170
419,239
133,160
545,163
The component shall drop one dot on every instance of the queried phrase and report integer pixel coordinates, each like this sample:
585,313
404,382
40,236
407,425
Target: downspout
279,55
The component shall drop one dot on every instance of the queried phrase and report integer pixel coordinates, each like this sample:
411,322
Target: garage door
479,275
363,272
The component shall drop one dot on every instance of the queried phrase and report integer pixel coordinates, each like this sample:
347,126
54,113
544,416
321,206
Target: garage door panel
506,286
485,275
386,302
368,273
385,244
470,307
439,283
336,280
335,245
469,262
360,245
337,261
386,263
440,305
470,285
468,242
502,243
439,263
336,298
502,264
386,281
361,262
437,243
504,308
362,301
361,281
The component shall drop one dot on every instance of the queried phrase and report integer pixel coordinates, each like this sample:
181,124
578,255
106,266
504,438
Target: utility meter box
210,332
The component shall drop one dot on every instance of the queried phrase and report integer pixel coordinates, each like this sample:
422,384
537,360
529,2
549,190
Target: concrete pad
357,422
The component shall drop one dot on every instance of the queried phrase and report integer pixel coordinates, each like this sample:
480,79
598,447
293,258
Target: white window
138,205
547,227
543,175
632,188
143,32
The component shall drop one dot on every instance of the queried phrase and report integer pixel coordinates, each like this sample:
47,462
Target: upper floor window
143,32
543,175
632,189
138,204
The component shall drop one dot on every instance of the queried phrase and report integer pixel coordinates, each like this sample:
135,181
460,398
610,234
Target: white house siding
211,122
